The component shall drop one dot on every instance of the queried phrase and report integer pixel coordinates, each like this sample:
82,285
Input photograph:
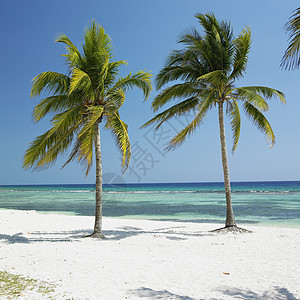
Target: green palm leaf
115,99
179,138
181,90
81,81
83,149
242,48
234,114
120,133
73,56
252,94
291,57
260,121
93,117
139,79
178,66
176,110
52,82
214,78
50,104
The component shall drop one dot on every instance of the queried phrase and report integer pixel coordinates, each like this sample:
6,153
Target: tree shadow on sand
17,238
169,233
38,236
144,292
277,294
120,233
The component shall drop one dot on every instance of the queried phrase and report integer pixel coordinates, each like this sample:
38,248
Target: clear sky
143,33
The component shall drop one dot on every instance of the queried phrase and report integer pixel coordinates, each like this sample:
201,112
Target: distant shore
142,259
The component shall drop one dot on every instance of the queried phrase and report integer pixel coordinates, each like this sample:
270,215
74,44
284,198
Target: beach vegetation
88,95
205,72
14,286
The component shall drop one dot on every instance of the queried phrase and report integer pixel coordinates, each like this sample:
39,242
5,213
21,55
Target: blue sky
143,33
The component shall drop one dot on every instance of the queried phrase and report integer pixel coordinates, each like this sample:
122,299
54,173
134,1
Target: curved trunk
98,210
230,221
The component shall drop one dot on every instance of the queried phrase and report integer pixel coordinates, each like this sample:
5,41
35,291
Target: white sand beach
148,259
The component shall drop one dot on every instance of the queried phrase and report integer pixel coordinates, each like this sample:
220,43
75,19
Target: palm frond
83,148
242,47
96,42
81,81
115,99
214,78
234,114
93,116
260,121
36,150
181,65
52,82
60,137
45,149
119,131
52,104
113,71
73,56
181,90
175,111
218,42
139,79
180,137
291,57
190,37
266,92
250,96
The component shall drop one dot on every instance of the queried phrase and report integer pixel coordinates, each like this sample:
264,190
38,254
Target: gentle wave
124,191
199,192
49,191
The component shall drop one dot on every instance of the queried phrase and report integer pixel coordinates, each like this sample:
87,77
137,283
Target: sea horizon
156,183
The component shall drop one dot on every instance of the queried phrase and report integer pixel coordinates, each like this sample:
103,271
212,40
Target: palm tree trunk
98,210
230,221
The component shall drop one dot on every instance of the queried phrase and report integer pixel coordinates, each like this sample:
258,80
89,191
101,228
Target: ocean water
267,203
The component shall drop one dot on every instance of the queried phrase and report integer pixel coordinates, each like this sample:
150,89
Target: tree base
233,229
96,235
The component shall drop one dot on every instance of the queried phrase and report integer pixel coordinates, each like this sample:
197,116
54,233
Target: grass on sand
14,286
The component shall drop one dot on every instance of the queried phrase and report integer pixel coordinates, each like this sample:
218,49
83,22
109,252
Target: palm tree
208,67
291,57
90,94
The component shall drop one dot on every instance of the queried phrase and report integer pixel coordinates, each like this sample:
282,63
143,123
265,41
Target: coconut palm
291,57
91,93
207,69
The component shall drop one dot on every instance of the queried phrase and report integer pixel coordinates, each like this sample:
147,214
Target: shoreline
275,224
145,259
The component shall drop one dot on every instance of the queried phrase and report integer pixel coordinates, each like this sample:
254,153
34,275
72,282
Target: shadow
164,294
169,233
117,234
38,236
277,294
14,239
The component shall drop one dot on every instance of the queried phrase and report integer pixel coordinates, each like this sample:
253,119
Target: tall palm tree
208,67
91,93
291,57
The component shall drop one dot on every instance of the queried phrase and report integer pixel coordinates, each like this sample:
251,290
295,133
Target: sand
148,259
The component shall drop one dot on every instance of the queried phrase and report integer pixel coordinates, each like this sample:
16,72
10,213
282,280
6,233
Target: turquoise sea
267,203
